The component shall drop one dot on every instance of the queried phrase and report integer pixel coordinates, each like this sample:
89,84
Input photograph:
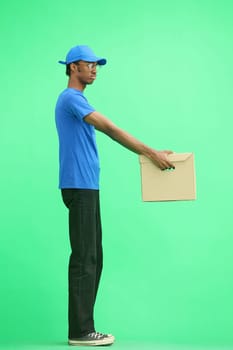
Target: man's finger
170,166
168,151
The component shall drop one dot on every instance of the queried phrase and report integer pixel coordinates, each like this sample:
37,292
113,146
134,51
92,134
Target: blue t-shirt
78,156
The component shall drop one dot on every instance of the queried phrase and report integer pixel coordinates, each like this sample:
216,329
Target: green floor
119,345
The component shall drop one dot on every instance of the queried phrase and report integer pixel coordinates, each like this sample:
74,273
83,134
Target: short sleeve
80,106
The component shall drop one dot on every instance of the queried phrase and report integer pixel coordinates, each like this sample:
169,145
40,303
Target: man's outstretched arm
103,124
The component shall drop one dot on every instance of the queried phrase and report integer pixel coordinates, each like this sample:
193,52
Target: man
76,121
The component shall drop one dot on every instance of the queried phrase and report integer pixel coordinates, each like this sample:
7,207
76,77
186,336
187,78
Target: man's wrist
149,153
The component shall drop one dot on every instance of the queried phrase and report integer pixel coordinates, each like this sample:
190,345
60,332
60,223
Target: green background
168,267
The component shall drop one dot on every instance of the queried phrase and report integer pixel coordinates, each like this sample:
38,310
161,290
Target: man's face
85,72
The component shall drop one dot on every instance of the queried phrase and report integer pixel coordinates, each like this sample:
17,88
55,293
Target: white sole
105,341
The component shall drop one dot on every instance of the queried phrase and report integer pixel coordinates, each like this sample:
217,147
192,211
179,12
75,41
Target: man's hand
160,159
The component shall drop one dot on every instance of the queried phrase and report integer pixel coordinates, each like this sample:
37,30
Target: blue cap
84,53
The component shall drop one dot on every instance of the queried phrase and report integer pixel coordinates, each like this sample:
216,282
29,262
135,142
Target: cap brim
100,61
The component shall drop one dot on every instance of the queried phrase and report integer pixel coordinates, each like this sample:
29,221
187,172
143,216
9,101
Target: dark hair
68,67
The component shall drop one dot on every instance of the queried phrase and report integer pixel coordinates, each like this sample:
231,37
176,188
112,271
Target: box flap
174,157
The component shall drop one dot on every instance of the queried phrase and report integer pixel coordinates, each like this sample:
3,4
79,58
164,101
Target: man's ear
74,67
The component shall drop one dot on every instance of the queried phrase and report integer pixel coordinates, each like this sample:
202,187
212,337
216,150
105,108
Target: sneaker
93,339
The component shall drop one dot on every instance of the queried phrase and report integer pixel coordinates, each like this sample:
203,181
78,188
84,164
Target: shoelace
96,335
102,334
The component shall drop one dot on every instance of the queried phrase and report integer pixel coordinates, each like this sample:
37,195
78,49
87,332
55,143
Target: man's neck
76,84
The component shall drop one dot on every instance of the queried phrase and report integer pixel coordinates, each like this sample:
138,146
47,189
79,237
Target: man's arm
101,123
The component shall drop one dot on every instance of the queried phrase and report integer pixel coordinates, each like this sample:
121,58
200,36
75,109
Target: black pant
86,258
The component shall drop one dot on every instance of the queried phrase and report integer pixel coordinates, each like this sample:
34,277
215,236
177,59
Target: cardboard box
169,185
